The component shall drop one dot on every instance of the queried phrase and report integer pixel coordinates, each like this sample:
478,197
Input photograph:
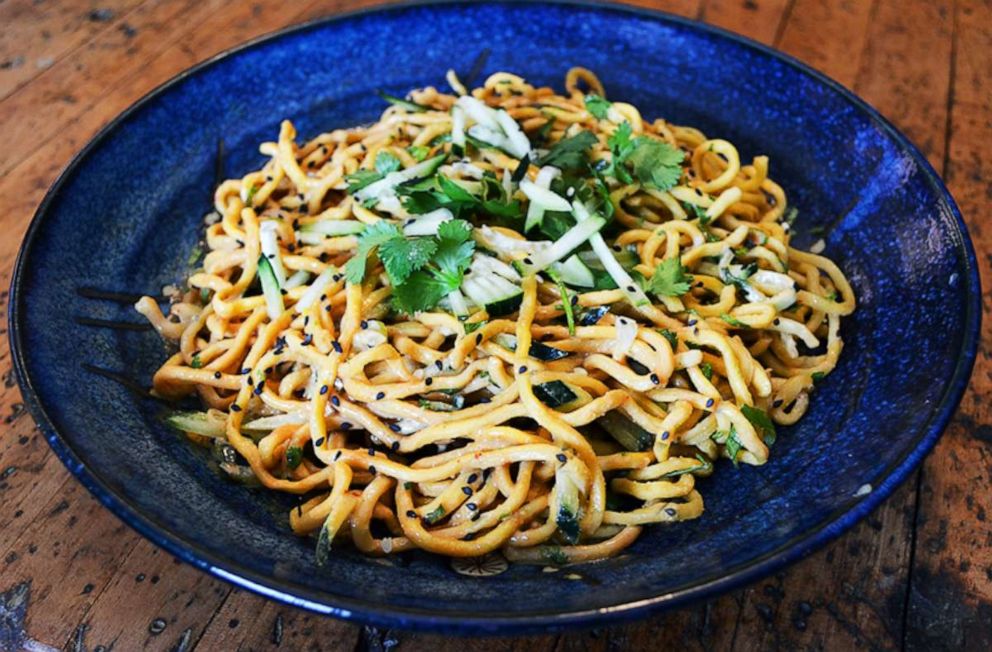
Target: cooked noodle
551,435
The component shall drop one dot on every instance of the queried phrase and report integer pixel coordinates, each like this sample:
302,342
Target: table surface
916,574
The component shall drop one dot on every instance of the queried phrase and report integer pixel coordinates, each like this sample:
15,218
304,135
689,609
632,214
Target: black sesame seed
337,456
251,381
395,446
394,427
709,402
777,322
411,514
438,364
471,506
235,407
283,291
478,339
246,370
371,469
364,324
562,457
655,379
671,511
467,491
470,536
475,517
335,401
691,322
323,389
217,375
472,478
259,389
528,260
380,396
319,442
777,403
345,425
665,435
631,288
522,369
429,382
575,299
485,399
337,346
371,452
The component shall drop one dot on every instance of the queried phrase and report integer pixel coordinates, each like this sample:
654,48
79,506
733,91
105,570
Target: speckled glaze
127,211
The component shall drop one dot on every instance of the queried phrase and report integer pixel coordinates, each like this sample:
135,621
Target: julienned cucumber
575,272
496,294
200,423
627,433
270,288
563,246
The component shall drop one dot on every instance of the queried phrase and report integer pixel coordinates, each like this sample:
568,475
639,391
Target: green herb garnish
597,106
294,457
761,421
670,279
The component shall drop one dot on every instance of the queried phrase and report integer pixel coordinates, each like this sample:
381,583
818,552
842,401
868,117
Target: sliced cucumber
539,351
497,295
627,259
315,232
567,515
270,288
563,246
200,423
483,264
627,433
386,186
317,288
458,127
481,113
428,223
412,107
520,146
575,272
633,290
535,211
555,394
543,197
268,235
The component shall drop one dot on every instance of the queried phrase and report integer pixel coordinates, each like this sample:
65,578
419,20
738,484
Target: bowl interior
128,214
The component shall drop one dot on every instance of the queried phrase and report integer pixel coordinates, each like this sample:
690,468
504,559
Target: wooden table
916,574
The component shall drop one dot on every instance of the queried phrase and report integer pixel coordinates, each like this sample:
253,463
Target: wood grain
916,574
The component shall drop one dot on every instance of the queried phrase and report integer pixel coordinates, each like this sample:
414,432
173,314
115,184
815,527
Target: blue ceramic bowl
127,211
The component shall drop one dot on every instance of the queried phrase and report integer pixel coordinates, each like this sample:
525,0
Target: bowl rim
464,623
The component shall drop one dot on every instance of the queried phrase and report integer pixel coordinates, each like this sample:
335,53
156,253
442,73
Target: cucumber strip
490,137
272,422
537,350
497,295
458,305
428,223
333,227
535,212
478,111
268,235
554,394
563,245
200,423
546,199
567,508
412,107
458,127
270,288
317,288
627,259
575,272
520,146
483,264
387,184
300,277
627,433
633,290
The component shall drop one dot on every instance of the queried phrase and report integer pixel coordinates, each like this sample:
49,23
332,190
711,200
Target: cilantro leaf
733,321
373,236
656,163
760,420
621,146
707,370
386,162
730,441
420,292
569,153
418,152
401,256
670,279
740,280
361,178
441,272
597,106
672,338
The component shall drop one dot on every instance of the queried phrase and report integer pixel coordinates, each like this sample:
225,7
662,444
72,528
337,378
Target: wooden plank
760,20
853,593
248,622
37,34
830,36
950,602
152,603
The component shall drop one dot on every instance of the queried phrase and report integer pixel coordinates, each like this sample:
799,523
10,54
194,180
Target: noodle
656,319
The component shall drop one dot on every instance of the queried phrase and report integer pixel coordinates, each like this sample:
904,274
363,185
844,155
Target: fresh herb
418,152
441,192
704,466
373,236
386,162
697,211
471,327
670,279
597,106
591,316
672,338
521,171
204,296
653,163
707,370
402,256
435,515
740,280
833,296
570,153
554,555
817,376
413,107
730,441
195,255
294,457
566,299
196,363
733,321
760,420
442,274
250,197
790,216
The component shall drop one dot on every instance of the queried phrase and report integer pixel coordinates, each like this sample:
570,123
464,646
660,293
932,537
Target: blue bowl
127,211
